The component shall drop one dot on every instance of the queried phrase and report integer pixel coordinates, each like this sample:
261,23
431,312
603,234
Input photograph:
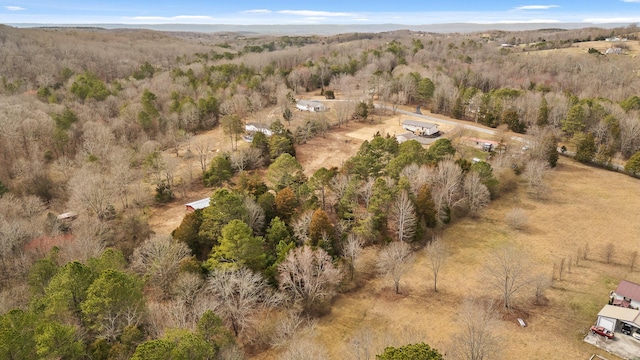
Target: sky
284,12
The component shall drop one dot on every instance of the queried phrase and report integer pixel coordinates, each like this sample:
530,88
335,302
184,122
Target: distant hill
333,29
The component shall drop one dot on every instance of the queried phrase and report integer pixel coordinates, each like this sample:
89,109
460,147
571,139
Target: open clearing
631,47
585,206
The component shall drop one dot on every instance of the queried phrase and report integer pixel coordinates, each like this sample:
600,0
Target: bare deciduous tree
540,284
629,135
308,275
437,253
351,250
292,324
476,193
246,159
89,240
159,258
609,251
446,186
394,261
508,270
91,191
402,218
344,110
255,216
202,152
300,227
239,294
476,340
534,173
417,176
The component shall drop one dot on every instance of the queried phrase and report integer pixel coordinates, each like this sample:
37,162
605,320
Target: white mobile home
256,127
420,128
310,105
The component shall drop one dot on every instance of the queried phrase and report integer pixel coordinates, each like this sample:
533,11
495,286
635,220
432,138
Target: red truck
599,330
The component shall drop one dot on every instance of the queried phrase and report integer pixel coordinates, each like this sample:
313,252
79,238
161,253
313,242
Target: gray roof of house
257,125
419,123
310,102
411,136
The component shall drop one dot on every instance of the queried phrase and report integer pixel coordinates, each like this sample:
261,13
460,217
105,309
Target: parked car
636,334
599,330
626,329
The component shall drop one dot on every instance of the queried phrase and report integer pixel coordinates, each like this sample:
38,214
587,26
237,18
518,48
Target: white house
420,128
627,295
310,105
252,127
198,204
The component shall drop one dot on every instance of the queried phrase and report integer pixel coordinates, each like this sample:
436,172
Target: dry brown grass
586,206
633,48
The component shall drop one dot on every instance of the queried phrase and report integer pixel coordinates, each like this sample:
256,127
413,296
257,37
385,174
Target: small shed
420,128
198,204
310,105
252,127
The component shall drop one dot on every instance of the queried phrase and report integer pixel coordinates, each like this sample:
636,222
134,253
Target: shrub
516,218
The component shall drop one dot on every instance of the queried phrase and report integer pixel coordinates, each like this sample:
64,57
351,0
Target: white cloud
257,11
14,8
311,13
631,1
537,7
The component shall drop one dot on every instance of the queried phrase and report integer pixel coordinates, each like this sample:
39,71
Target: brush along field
584,206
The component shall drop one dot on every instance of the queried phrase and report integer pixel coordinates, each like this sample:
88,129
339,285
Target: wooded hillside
92,122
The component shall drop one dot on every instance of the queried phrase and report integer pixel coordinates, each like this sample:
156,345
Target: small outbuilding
420,128
310,105
198,204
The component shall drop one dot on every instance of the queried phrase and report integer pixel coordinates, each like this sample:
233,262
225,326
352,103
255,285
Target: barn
420,128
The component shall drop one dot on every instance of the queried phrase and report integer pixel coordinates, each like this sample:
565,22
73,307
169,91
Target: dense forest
91,121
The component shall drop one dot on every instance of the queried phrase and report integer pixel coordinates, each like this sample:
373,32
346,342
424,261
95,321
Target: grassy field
632,47
585,206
